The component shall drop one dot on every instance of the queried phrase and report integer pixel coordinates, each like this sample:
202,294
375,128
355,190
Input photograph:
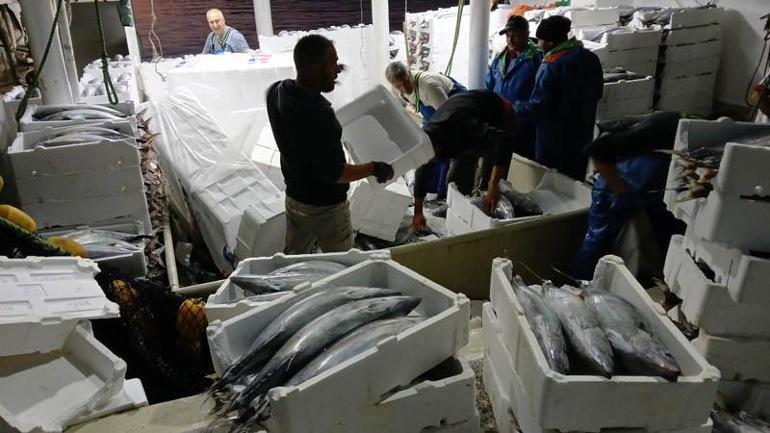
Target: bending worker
223,38
312,160
512,76
631,180
568,86
469,125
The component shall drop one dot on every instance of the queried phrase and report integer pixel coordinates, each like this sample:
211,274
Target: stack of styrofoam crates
377,211
521,384
720,268
430,36
689,61
55,373
121,69
381,390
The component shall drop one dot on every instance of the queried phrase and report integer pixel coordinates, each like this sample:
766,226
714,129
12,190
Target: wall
85,34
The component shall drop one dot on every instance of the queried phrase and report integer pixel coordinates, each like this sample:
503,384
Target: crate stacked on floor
526,392
720,268
413,382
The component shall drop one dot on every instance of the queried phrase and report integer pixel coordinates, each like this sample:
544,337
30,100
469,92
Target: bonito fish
288,277
48,110
743,423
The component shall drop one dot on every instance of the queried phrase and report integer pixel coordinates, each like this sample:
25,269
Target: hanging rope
460,5
112,95
33,77
151,34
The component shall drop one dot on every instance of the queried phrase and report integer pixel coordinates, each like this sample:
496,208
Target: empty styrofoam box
625,58
43,298
230,300
262,230
31,163
588,17
376,128
132,264
751,396
623,38
43,393
378,212
704,65
686,85
690,52
130,396
628,89
692,35
695,17
365,378
736,358
431,405
510,403
590,403
27,123
624,107
708,304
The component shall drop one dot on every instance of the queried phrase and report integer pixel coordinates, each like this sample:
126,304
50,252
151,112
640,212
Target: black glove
382,171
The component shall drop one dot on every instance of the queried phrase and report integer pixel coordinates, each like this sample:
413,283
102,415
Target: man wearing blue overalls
223,39
512,76
425,92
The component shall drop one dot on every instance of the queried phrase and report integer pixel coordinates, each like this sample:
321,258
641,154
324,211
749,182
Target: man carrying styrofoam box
308,136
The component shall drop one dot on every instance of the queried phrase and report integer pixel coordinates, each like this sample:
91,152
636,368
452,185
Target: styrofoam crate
455,226
10,108
690,52
692,35
704,65
130,396
590,403
628,89
365,378
133,264
692,103
431,405
707,304
43,393
646,67
376,128
736,358
695,17
626,107
686,85
28,124
625,39
43,298
589,17
229,299
378,212
510,402
753,397
625,58
98,183
262,230
30,163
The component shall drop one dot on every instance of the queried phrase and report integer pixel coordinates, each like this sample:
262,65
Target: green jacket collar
564,46
528,53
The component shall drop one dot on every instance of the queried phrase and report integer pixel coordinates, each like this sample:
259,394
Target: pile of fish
325,328
592,331
286,278
76,112
510,204
101,244
81,134
743,422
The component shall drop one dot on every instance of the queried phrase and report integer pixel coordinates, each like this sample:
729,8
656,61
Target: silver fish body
727,423
504,209
88,236
582,329
356,342
81,114
77,138
48,110
288,277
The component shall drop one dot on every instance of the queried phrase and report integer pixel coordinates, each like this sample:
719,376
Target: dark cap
516,23
554,29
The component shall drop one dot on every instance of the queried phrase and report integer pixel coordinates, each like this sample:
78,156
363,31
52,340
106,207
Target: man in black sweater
312,160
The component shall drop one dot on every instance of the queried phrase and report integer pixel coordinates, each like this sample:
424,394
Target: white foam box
362,380
378,212
704,65
627,58
627,39
690,52
589,17
448,400
686,85
591,403
692,35
751,396
27,123
695,17
736,358
262,230
35,165
130,396
699,103
229,299
43,393
624,107
510,403
376,128
708,304
43,298
628,89
133,264
10,108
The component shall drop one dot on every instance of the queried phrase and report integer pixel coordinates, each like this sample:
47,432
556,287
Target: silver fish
265,297
89,129
639,351
754,421
504,209
726,423
358,341
288,277
312,339
82,114
96,236
100,251
78,138
545,325
47,110
582,328
274,335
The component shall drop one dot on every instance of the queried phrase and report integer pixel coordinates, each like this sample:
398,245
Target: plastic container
376,128
44,393
692,35
591,403
378,212
230,300
736,358
27,123
364,379
43,298
262,230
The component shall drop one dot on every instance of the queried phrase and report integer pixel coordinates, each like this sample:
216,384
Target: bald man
223,39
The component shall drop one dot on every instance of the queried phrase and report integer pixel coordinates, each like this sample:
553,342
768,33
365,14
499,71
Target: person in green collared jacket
223,38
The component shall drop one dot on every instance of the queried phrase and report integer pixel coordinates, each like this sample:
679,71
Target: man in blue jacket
512,76
568,87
